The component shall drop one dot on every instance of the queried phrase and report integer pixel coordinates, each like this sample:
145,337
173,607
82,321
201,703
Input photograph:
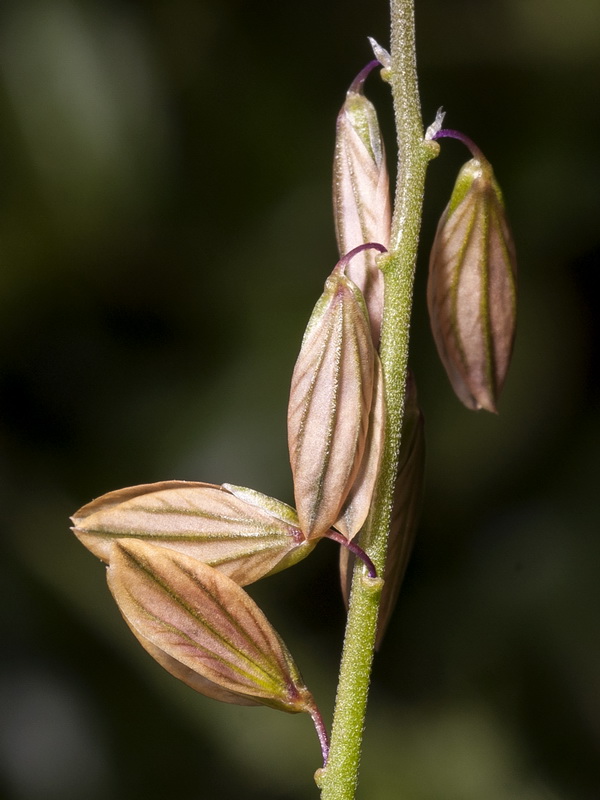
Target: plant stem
339,779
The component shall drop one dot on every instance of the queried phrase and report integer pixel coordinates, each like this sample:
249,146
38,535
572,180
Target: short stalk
446,133
354,549
339,779
321,730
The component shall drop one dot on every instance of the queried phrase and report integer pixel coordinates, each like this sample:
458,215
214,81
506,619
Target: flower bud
471,292
408,494
330,403
242,532
203,628
361,195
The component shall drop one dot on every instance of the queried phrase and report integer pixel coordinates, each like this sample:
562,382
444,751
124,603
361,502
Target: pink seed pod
361,193
241,532
331,397
203,628
471,291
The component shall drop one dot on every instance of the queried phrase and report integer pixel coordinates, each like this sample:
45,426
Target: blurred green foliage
165,228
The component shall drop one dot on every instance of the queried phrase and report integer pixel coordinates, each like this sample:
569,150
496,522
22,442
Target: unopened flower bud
330,402
471,291
203,628
361,195
243,533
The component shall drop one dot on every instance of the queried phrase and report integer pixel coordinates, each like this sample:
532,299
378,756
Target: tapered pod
243,533
203,628
361,193
471,291
331,400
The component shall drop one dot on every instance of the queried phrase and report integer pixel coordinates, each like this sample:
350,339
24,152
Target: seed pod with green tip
244,533
361,194
471,291
330,402
204,629
408,495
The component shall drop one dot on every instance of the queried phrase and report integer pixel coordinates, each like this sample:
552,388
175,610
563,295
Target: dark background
165,229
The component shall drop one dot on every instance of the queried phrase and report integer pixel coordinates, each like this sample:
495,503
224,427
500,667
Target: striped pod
471,291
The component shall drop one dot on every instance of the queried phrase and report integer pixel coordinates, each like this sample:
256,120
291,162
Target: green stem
339,779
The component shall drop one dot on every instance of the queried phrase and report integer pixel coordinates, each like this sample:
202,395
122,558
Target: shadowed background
165,229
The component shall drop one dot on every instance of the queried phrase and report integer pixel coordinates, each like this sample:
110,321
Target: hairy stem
339,779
